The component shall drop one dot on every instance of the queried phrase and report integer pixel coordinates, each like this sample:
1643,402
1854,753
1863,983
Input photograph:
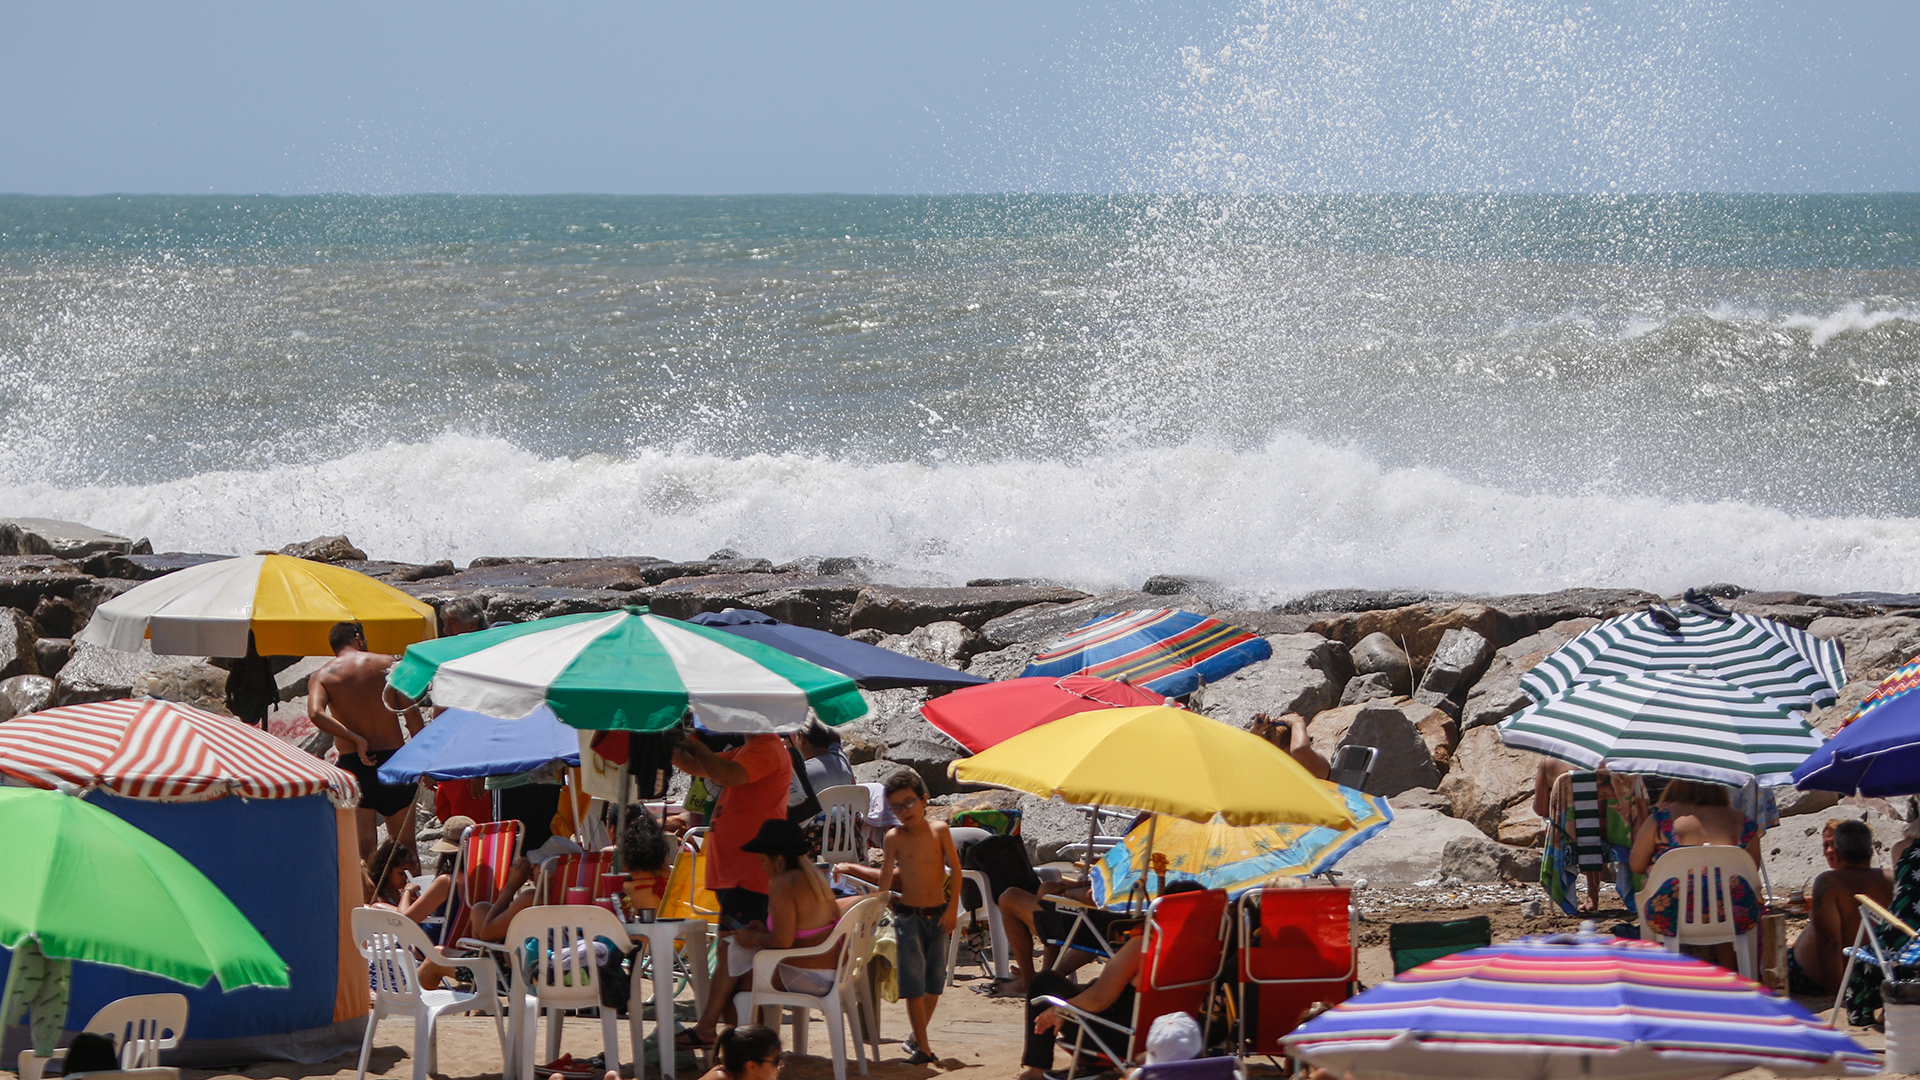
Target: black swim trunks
383,799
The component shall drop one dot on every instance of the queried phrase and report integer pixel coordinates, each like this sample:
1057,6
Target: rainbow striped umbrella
1573,1006
1891,689
1876,752
1165,650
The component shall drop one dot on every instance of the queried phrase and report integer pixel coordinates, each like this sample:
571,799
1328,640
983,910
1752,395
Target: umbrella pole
1153,823
619,841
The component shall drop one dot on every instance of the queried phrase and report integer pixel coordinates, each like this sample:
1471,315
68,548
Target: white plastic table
660,936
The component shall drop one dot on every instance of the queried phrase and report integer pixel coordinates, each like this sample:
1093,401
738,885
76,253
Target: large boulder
1874,647
898,609
145,566
1496,694
91,593
1488,779
1457,661
95,673
1298,678
1406,851
624,574
1005,663
1047,825
949,644
820,602
326,549
1792,848
1048,622
1377,654
1471,859
1406,748
63,539
1333,600
1418,628
25,580
1369,687
1537,611
17,655
50,654
23,694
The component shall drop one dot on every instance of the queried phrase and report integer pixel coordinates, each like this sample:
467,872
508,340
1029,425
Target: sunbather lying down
488,920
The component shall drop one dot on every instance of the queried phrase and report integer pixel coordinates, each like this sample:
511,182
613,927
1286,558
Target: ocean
1280,393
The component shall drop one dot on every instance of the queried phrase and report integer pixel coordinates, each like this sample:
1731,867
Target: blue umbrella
459,745
1877,755
869,666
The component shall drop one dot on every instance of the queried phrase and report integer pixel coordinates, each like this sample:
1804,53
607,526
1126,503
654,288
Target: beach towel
997,822
1582,838
37,987
885,962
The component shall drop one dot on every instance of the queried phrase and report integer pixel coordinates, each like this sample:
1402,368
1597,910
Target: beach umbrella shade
1237,857
1169,761
459,745
1891,692
1164,650
84,885
869,666
1668,724
287,604
982,716
1878,752
626,670
1772,659
145,748
1574,1006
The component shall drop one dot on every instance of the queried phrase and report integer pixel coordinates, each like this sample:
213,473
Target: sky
991,95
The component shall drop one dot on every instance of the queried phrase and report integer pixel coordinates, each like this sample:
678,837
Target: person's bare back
347,691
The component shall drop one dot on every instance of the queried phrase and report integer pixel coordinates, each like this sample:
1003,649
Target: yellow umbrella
1167,760
287,604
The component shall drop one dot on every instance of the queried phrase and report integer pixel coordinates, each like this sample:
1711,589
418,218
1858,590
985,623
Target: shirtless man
343,700
1815,962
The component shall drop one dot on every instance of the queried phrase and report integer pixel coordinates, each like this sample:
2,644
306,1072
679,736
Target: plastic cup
579,895
648,914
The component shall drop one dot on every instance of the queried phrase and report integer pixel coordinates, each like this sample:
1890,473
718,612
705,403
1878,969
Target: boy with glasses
928,905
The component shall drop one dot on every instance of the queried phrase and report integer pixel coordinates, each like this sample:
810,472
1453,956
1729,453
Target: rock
875,771
1794,802
949,644
1329,600
91,594
1047,825
1264,623
63,539
1536,611
624,574
326,549
27,693
50,654
25,580
845,566
1488,779
1420,798
661,573
1496,694
145,567
95,673
1792,848
1874,647
1457,661
898,609
823,603
1828,720
1419,628
1795,615
1006,663
1213,592
17,656
292,679
524,604
1377,654
1522,827
1478,859
1297,678
55,616
1406,851
1405,758
1050,621
1369,687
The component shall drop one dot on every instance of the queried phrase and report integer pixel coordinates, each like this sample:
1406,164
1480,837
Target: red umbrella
982,716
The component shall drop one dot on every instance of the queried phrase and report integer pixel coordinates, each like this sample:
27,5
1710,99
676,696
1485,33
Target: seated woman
1691,813
390,867
801,911
747,1052
647,854
488,920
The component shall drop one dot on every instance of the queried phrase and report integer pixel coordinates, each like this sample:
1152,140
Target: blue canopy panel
460,744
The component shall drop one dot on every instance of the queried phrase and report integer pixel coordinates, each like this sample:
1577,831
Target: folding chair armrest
1082,1015
478,945
1884,915
1067,902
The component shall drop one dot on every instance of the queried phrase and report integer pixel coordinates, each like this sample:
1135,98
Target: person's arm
1300,745
1642,855
1544,775
951,860
695,759
317,711
1103,993
885,884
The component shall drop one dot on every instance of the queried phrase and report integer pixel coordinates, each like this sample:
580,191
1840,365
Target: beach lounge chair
141,1026
1704,913
480,871
1415,943
841,1003
1296,951
1183,949
1352,765
556,971
1884,941
394,946
574,871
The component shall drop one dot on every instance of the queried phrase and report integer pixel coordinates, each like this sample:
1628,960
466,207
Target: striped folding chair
563,872
480,872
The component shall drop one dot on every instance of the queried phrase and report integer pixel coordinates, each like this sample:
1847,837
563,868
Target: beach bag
648,756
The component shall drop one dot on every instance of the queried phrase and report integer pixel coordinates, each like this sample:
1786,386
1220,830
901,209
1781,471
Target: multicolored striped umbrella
1894,687
1165,650
1771,659
626,670
163,750
1573,1006
1669,724
287,604
1237,857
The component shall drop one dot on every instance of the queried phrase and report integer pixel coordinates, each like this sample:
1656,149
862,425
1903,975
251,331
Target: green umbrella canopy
626,670
88,886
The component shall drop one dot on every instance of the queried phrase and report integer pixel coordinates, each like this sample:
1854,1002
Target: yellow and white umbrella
287,604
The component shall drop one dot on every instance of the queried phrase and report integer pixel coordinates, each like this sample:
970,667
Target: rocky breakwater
1421,676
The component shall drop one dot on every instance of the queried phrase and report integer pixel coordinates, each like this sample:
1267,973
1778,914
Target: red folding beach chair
1182,950
480,872
1296,950
563,872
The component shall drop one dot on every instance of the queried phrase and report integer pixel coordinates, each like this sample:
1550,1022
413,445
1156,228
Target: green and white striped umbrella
1668,724
1771,659
626,670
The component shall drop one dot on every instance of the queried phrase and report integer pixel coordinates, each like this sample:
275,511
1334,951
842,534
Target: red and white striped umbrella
165,751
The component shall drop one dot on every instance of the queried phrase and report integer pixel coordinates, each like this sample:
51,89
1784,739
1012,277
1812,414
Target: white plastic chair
841,1002
566,976
1703,910
996,933
394,946
844,810
141,1026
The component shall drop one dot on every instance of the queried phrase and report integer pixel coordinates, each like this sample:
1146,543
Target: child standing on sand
928,905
